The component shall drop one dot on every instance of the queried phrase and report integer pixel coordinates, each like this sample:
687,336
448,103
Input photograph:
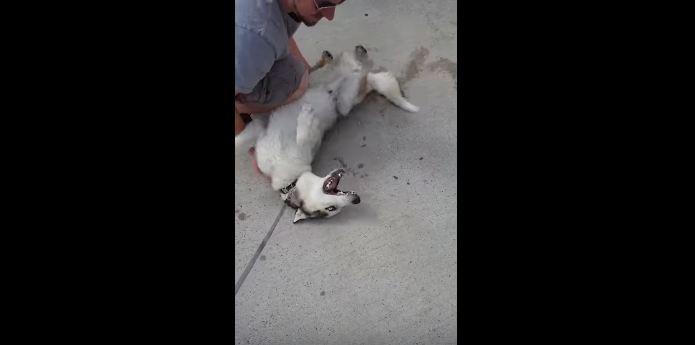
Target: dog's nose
356,199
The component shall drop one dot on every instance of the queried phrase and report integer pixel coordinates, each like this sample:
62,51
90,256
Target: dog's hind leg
247,138
386,84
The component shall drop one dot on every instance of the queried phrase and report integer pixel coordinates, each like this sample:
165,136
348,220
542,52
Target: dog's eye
330,208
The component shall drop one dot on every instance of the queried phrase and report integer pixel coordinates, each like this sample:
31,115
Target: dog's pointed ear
299,215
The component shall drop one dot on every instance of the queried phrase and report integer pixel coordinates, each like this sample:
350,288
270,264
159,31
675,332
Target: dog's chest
280,139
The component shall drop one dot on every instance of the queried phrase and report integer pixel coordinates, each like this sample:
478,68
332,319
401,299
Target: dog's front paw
306,108
327,56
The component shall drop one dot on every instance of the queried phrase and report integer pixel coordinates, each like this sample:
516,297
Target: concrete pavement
383,271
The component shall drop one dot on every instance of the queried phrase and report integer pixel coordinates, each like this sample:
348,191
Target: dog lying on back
286,141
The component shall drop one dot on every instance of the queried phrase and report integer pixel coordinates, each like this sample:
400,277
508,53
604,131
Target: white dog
287,140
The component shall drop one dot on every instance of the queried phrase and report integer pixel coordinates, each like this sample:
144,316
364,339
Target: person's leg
287,80
261,108
258,108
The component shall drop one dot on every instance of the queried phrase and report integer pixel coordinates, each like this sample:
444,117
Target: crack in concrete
251,263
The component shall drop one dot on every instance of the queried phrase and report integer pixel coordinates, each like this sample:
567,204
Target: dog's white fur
287,140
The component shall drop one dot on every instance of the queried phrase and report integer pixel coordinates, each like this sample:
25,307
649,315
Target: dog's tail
386,84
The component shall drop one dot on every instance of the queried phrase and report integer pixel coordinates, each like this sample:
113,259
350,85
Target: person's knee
255,108
287,80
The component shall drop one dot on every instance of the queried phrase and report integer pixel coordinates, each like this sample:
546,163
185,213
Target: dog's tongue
331,184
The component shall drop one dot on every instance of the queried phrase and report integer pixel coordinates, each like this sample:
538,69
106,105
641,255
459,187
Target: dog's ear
299,215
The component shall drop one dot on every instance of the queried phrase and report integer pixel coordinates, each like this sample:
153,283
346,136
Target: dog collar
289,188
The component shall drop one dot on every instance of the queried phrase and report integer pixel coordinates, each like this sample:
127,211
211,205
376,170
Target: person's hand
238,122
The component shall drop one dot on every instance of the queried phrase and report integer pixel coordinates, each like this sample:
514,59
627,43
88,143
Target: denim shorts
278,85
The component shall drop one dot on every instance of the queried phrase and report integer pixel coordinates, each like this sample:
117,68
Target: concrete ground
383,271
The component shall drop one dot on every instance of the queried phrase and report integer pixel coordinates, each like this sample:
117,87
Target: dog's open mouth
330,186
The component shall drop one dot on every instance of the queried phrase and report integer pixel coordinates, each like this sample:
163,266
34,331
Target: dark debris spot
366,15
262,257
364,138
360,166
340,160
395,177
363,145
242,216
323,293
421,158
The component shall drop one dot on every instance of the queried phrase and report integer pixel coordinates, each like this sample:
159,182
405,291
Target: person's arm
294,50
253,58
238,122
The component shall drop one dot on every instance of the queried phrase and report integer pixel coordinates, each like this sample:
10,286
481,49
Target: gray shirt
261,35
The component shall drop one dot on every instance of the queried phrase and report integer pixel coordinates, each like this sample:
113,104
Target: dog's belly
277,152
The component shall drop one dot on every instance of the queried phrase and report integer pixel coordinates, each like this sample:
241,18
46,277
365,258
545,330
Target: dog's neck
303,176
289,188
290,194
285,174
